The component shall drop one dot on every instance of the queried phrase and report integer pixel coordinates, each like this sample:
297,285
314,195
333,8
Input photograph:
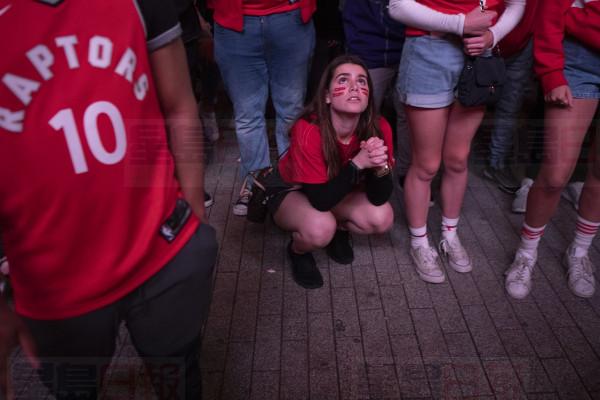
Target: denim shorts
582,70
429,71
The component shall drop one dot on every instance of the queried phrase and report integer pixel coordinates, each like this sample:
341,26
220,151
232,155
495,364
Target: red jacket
518,38
228,13
579,19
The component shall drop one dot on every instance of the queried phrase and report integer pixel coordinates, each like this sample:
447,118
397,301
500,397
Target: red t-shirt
267,7
304,161
86,177
454,7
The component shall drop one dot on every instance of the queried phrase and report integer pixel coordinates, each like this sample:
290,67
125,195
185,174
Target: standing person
376,38
567,61
101,193
340,154
263,47
441,129
517,50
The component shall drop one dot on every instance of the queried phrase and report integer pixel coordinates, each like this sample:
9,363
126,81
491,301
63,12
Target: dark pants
164,317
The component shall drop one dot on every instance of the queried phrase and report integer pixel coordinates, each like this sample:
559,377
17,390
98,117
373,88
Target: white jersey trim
164,38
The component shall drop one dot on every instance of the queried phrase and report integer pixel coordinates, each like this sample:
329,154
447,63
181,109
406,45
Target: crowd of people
102,199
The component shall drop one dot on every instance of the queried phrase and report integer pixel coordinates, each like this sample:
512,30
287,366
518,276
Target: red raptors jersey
86,178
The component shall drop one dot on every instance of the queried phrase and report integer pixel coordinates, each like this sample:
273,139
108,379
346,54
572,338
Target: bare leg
462,126
356,214
427,127
565,131
311,229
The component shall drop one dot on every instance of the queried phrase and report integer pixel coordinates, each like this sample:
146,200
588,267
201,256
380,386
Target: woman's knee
381,218
552,183
318,231
456,163
426,169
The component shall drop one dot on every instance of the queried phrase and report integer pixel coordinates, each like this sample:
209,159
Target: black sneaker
339,249
503,177
208,200
304,269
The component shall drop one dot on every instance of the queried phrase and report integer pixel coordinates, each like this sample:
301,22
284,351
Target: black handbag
481,81
267,184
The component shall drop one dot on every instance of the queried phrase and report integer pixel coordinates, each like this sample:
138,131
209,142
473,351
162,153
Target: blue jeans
518,76
273,53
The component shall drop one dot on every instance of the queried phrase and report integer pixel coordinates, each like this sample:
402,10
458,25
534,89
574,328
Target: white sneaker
240,207
519,204
428,264
518,276
572,192
580,273
456,255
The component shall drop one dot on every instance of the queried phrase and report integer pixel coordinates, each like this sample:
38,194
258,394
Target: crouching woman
340,155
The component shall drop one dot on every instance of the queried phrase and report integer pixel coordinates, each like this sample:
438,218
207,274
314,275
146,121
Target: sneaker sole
460,268
240,213
430,279
209,203
518,210
571,288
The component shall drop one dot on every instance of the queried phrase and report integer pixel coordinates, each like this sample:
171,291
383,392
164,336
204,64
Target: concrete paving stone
271,301
385,266
352,372
503,379
295,327
319,300
380,240
294,370
238,371
324,384
229,259
243,321
516,343
295,314
582,356
532,375
383,383
555,313
321,348
447,309
400,244
587,320
538,331
211,385
565,379
471,376
543,396
375,336
223,294
275,253
595,395
249,273
254,237
443,381
410,369
465,289
362,250
267,348
429,333
345,313
340,276
366,287
460,345
396,311
417,294
503,315
265,386
483,332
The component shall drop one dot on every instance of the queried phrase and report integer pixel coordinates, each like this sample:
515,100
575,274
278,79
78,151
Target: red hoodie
579,19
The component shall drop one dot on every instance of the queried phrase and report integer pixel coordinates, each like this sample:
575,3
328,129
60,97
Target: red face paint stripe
337,94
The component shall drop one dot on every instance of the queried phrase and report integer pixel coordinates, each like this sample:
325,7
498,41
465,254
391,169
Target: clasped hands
373,154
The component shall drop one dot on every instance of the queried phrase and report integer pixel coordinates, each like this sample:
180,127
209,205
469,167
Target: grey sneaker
518,276
580,274
456,255
503,177
572,192
519,204
428,264
240,207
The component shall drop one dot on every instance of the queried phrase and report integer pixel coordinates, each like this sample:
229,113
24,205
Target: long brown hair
318,112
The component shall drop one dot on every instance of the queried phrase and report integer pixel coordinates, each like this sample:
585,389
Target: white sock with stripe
418,237
584,235
530,239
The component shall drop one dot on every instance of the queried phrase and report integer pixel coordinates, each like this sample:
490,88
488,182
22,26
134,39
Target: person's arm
181,115
584,24
508,20
378,189
416,15
324,196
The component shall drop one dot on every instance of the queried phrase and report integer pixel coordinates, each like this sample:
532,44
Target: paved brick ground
375,330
